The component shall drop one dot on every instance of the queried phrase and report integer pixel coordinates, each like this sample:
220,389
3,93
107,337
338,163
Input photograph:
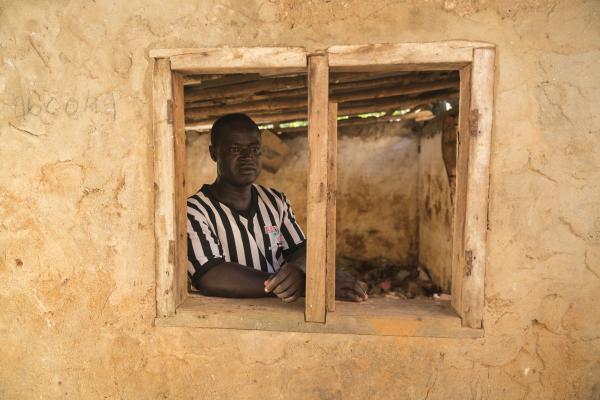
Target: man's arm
298,257
229,279
347,287
290,281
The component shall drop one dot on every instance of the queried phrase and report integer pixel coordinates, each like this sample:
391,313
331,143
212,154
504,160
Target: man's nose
247,153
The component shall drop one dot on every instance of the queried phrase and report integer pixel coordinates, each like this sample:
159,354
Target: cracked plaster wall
76,241
436,208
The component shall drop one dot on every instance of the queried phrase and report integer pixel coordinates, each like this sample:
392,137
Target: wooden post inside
317,199
331,204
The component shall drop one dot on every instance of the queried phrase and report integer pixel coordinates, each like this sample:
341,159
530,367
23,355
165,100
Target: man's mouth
247,168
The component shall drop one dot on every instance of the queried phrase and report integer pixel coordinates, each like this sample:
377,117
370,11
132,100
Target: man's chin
244,179
247,175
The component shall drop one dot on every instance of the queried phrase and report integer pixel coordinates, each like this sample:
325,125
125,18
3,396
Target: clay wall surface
377,188
76,208
435,208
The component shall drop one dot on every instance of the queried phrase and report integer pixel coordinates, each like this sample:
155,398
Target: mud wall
76,208
435,207
377,188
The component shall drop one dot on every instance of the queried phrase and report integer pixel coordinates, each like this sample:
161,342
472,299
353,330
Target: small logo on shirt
275,236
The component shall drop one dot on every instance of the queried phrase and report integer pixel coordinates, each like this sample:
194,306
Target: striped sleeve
290,229
204,247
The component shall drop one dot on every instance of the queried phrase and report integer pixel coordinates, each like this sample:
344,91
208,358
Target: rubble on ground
386,279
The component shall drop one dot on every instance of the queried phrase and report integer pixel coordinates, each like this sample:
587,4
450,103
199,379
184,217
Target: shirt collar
248,214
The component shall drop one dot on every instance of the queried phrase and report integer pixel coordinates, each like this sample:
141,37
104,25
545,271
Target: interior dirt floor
76,208
380,278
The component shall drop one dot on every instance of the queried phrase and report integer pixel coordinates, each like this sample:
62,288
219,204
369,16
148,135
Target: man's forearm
298,258
233,280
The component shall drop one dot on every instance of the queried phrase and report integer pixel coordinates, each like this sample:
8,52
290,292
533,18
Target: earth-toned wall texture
435,199
76,208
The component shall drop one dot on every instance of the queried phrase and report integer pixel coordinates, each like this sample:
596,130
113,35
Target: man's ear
213,152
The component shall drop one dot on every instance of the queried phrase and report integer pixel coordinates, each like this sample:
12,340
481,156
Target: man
243,239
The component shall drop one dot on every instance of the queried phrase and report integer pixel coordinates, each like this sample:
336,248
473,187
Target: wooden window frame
474,60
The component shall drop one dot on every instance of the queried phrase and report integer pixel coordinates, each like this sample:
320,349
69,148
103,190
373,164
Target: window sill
377,316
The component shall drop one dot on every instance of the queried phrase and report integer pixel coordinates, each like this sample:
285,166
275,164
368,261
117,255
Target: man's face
237,153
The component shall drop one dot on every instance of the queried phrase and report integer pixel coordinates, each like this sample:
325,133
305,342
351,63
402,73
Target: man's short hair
230,121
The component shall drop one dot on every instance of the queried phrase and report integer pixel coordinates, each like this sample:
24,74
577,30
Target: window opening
468,181
272,101
394,213
382,120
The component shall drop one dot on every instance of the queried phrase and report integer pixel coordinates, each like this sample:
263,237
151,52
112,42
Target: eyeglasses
253,150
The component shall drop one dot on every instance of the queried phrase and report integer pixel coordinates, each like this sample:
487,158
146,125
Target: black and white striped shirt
260,237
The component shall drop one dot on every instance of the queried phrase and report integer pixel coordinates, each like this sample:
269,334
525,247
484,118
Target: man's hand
287,283
348,288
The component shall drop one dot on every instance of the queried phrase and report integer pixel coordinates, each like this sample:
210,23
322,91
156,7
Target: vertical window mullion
317,198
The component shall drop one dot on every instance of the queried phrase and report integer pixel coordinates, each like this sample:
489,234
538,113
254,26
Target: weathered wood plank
316,209
180,199
395,68
460,196
167,53
220,80
353,107
236,59
164,179
392,91
197,93
289,87
377,316
482,100
297,102
419,56
331,205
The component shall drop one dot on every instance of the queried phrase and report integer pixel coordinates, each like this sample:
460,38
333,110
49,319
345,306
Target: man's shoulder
200,194
193,198
270,192
198,201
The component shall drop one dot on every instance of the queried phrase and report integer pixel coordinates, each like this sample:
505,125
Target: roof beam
300,102
349,108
